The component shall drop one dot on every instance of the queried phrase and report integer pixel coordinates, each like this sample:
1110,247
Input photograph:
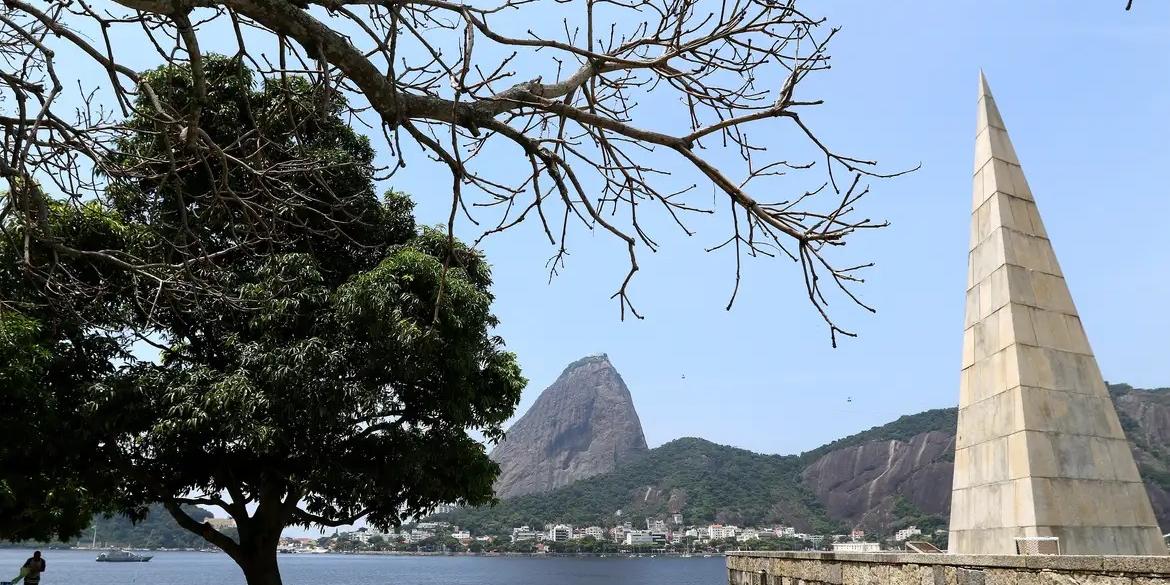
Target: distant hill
879,480
697,478
157,530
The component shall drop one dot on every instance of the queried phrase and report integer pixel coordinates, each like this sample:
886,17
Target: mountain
879,480
582,425
157,530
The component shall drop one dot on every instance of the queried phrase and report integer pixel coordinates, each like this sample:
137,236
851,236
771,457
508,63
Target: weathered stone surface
583,425
946,569
1040,450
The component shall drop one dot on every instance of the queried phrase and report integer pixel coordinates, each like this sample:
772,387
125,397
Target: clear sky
1085,93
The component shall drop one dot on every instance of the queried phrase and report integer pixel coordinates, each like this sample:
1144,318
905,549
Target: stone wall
810,568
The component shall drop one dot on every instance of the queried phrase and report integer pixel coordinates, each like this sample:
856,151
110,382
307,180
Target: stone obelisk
1040,451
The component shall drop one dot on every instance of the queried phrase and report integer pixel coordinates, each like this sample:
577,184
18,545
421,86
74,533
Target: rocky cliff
582,425
862,485
876,479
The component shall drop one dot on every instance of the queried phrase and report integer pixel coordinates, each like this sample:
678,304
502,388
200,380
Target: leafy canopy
335,367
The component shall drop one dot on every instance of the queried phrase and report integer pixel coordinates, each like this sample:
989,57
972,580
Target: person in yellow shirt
32,569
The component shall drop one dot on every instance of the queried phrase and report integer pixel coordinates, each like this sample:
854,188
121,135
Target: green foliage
338,363
157,529
905,428
50,353
719,484
906,514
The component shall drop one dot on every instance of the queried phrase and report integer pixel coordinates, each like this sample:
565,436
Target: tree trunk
260,567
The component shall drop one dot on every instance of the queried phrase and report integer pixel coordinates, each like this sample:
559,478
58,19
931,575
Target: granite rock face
1145,415
583,425
859,485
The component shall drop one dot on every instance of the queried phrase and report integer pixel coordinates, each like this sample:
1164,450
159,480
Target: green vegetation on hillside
715,483
903,429
157,530
705,481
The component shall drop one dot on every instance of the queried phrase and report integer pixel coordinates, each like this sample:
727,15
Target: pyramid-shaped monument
1040,451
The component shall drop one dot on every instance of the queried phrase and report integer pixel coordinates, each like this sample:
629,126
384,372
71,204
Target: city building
747,534
560,533
417,535
597,532
524,533
857,535
905,533
462,536
635,537
856,547
719,531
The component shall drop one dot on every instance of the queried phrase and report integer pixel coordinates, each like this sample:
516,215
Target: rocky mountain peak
584,424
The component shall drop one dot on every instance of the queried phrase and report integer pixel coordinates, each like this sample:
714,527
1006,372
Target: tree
578,106
51,349
328,373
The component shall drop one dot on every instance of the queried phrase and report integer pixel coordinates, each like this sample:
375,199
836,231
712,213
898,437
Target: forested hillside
157,530
881,479
699,479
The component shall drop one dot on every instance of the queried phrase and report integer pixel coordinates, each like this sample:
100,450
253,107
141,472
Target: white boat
122,556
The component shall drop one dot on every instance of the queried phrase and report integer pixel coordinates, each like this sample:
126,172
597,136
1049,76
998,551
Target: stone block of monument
1040,451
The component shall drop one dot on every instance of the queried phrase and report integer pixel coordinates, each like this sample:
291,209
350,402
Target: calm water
68,567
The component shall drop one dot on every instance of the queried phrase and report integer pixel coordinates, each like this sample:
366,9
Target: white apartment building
417,535
597,532
718,531
645,537
906,533
856,547
524,533
747,534
560,533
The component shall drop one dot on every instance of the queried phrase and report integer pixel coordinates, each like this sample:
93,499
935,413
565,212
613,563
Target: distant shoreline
621,555
518,554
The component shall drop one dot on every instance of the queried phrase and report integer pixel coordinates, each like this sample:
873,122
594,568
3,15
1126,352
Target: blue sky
1085,94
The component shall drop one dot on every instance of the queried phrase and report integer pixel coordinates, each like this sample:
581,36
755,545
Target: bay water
78,567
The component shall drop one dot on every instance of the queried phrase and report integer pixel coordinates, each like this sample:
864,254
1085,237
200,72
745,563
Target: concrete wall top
1156,565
